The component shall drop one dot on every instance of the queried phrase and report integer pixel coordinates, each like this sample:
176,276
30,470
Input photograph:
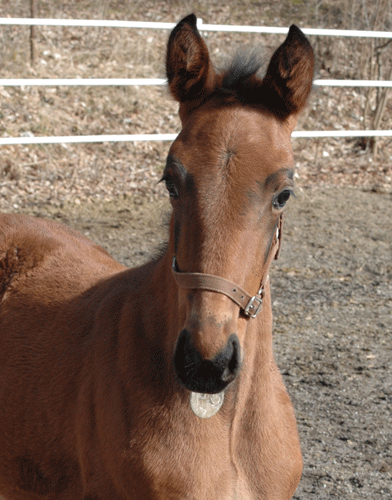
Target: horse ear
189,70
288,80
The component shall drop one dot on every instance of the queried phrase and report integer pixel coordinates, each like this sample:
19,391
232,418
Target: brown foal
159,382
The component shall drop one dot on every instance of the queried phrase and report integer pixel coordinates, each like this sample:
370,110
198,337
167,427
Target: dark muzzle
205,375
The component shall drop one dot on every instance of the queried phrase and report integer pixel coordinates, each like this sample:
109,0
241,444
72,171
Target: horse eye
170,186
281,199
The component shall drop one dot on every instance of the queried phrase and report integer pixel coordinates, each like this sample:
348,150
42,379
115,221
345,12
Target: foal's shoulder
39,235
28,243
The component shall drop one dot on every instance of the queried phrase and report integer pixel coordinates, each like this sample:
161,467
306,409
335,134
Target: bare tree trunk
381,105
33,5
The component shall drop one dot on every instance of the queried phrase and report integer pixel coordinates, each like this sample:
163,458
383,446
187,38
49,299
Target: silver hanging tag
206,405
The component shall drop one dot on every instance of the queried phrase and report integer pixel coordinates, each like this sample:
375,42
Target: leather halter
249,305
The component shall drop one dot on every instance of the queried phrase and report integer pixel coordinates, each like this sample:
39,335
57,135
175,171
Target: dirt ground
332,302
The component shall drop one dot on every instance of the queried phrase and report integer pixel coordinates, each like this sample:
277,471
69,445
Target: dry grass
30,175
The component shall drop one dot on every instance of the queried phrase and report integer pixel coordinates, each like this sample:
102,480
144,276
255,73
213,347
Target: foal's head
229,175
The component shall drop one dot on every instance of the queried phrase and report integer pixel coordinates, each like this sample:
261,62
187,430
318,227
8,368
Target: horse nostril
233,359
234,363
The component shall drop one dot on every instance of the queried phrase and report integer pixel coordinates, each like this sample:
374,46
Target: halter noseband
249,305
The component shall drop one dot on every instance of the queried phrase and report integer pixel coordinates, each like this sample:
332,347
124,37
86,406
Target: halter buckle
253,307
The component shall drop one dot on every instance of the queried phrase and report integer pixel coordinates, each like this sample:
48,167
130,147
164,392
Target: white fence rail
159,81
170,137
93,82
203,27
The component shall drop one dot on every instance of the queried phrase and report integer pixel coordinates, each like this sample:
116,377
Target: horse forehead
253,138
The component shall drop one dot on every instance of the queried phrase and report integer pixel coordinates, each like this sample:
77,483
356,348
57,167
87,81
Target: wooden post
33,4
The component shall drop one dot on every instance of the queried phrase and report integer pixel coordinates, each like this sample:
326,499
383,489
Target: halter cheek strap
249,305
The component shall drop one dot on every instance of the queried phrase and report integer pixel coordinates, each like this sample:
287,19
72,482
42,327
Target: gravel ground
332,302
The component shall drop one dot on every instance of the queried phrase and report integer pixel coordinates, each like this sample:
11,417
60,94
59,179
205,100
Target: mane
243,65
237,75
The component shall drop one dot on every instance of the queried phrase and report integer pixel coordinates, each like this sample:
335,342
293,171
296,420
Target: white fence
201,26
158,81
91,82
